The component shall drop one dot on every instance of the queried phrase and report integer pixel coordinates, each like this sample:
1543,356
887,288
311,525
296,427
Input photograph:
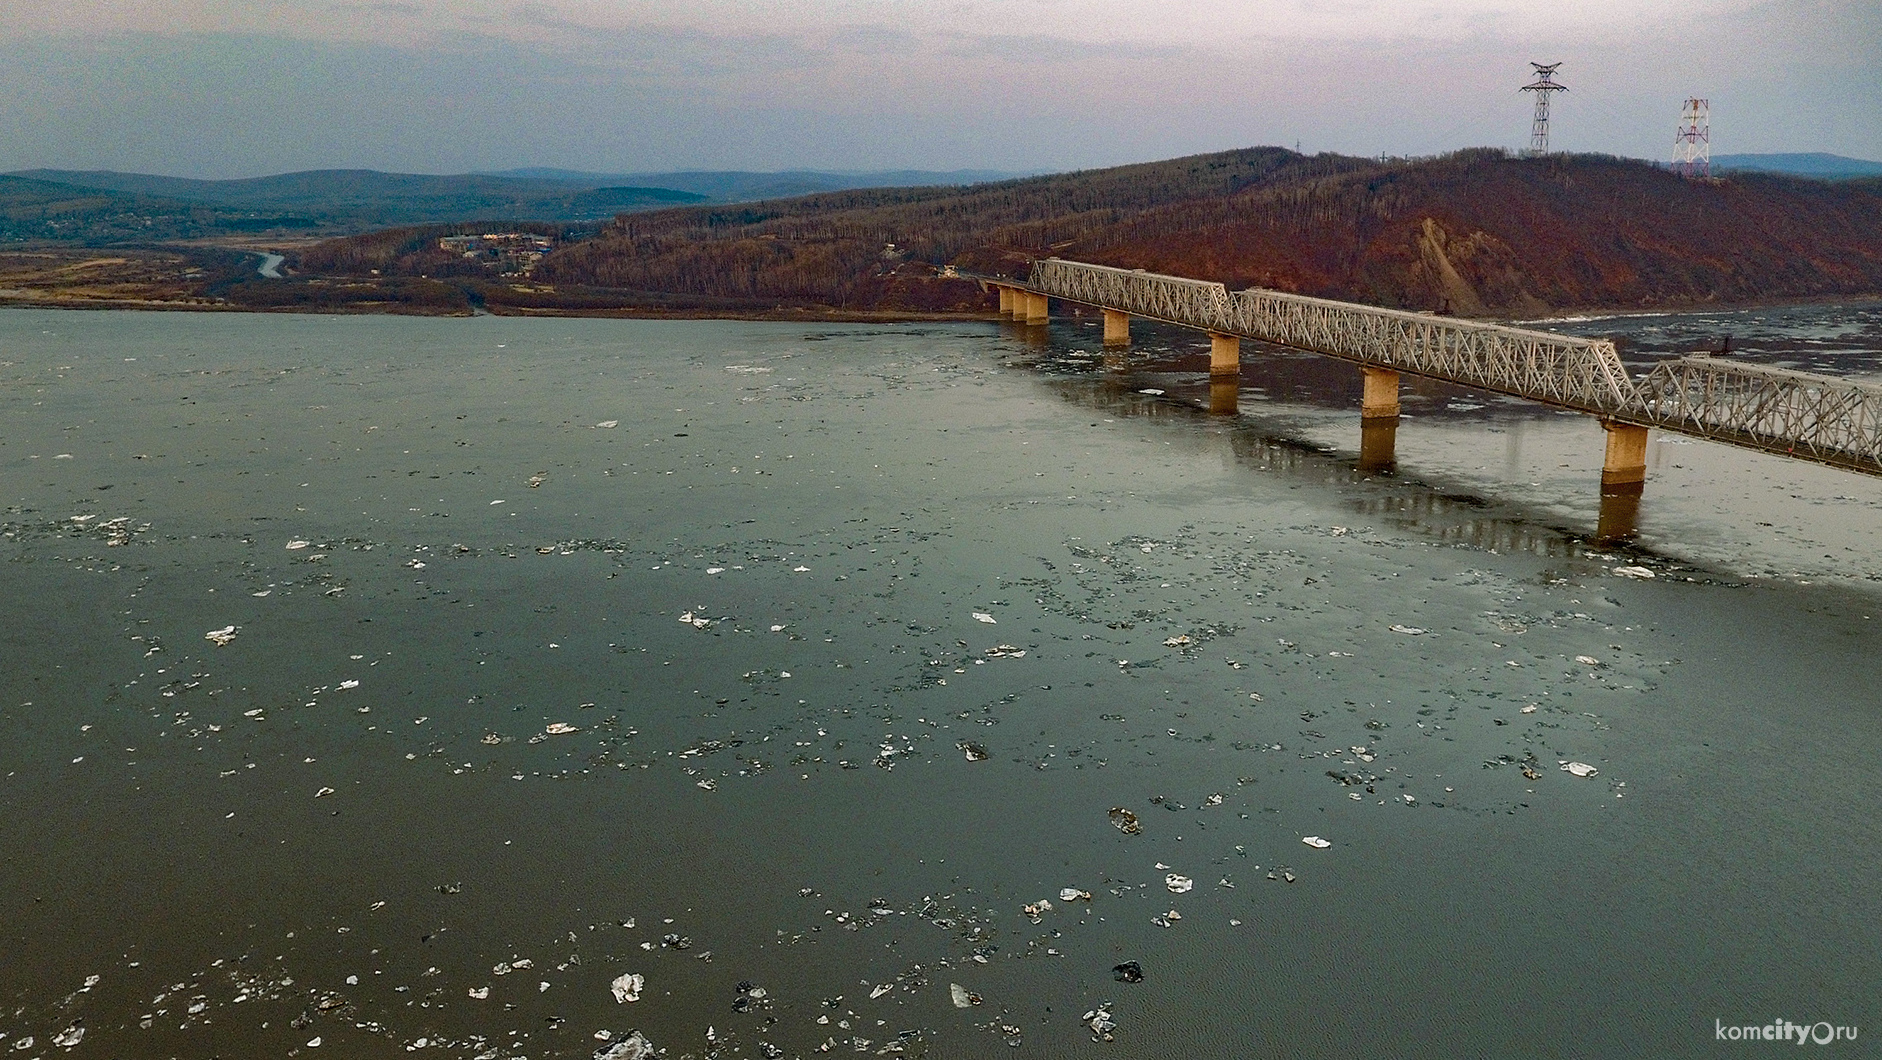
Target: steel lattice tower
1543,87
1692,143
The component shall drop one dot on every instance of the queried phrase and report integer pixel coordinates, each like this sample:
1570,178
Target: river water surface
786,666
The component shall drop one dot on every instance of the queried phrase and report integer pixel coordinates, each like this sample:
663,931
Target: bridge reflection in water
1455,514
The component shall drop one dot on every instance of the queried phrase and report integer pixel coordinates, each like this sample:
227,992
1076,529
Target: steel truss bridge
1775,410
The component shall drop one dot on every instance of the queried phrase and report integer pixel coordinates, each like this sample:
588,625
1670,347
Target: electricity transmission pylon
1544,86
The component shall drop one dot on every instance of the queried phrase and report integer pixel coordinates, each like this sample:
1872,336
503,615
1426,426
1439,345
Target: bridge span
1774,410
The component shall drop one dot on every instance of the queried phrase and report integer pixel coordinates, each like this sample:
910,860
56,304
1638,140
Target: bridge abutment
1624,471
1117,328
1006,300
1225,355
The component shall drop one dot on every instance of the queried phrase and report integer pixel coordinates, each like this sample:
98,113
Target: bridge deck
1800,414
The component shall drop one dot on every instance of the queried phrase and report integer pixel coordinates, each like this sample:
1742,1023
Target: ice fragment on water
1125,820
881,990
963,998
221,636
1073,894
1633,572
982,616
480,992
69,1037
557,728
606,424
1177,641
323,793
633,1047
1316,842
627,988
1178,884
1587,660
1410,631
975,752
298,544
1580,769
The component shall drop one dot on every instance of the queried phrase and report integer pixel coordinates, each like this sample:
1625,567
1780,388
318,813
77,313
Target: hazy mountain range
1813,164
102,205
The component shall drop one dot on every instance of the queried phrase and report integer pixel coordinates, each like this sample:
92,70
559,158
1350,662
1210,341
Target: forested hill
1477,232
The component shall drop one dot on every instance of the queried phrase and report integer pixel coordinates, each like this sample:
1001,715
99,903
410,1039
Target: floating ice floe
633,1047
479,992
221,636
1073,894
982,616
1530,709
696,621
607,424
974,752
558,728
69,1037
1178,884
1006,651
881,990
963,998
1125,820
323,793
349,683
298,544
1316,842
1587,660
1409,631
1633,572
1178,641
1580,769
1152,391
627,988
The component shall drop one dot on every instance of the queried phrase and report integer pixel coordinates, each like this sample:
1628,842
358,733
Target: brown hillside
1477,232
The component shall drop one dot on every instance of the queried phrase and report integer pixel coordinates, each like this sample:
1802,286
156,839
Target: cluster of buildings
509,253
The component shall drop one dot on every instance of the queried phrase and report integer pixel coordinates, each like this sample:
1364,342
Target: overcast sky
226,88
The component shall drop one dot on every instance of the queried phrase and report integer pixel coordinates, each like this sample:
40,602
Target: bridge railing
1579,373
1780,410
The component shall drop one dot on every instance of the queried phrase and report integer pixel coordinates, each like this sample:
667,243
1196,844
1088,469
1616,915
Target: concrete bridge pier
1624,472
1006,300
1036,310
1379,401
1225,356
1117,328
1378,419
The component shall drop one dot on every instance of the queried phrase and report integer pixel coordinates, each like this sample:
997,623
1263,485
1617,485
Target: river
378,685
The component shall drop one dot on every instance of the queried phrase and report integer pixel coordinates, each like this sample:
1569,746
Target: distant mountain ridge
1807,164
747,186
358,199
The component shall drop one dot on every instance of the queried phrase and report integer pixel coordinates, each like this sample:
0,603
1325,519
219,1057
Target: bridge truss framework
1775,410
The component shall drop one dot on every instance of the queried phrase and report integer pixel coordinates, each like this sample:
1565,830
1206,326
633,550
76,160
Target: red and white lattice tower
1544,87
1692,144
